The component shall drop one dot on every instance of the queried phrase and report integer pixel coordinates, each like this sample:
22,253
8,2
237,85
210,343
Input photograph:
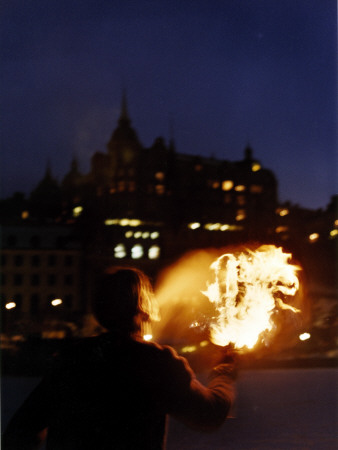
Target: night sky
225,73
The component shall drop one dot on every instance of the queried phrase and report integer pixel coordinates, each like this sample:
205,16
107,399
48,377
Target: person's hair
124,299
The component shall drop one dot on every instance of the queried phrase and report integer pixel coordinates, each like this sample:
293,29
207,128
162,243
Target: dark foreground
275,409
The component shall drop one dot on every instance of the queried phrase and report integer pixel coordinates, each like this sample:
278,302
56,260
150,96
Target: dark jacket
113,393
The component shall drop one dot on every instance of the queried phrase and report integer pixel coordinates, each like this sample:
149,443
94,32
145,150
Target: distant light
227,185
120,251
225,227
154,252
109,222
189,349
194,225
255,167
240,188
313,237
56,302
124,222
241,215
137,235
336,223
281,229
147,337
204,343
145,235
304,336
24,215
77,211
333,233
128,234
134,222
10,305
282,211
154,235
212,226
137,251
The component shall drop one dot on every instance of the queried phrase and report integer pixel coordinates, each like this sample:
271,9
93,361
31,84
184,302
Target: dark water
275,409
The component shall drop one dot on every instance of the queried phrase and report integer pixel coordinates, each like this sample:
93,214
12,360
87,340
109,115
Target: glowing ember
248,288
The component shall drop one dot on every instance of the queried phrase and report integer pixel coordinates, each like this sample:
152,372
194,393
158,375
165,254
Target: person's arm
199,406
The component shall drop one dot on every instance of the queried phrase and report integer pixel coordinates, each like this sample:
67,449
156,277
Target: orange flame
248,288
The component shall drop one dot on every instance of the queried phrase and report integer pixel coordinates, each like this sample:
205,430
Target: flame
248,288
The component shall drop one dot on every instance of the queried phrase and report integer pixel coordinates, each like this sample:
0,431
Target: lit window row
215,226
313,237
228,185
123,222
142,234
137,251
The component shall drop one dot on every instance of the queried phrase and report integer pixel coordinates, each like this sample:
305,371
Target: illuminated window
336,223
227,185
282,211
281,229
214,184
159,176
212,226
241,200
134,222
121,186
313,237
120,251
145,234
154,252
241,215
255,167
256,188
138,234
240,188
124,222
137,251
128,234
109,222
77,211
194,225
56,302
160,189
154,235
24,215
10,305
225,227
333,233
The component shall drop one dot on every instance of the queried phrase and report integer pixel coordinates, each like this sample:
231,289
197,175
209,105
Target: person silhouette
115,390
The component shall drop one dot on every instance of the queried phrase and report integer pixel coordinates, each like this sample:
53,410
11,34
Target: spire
124,117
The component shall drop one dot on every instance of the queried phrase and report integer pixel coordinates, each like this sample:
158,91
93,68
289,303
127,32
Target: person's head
124,299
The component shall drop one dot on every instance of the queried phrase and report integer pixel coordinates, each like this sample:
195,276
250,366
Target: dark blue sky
228,73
